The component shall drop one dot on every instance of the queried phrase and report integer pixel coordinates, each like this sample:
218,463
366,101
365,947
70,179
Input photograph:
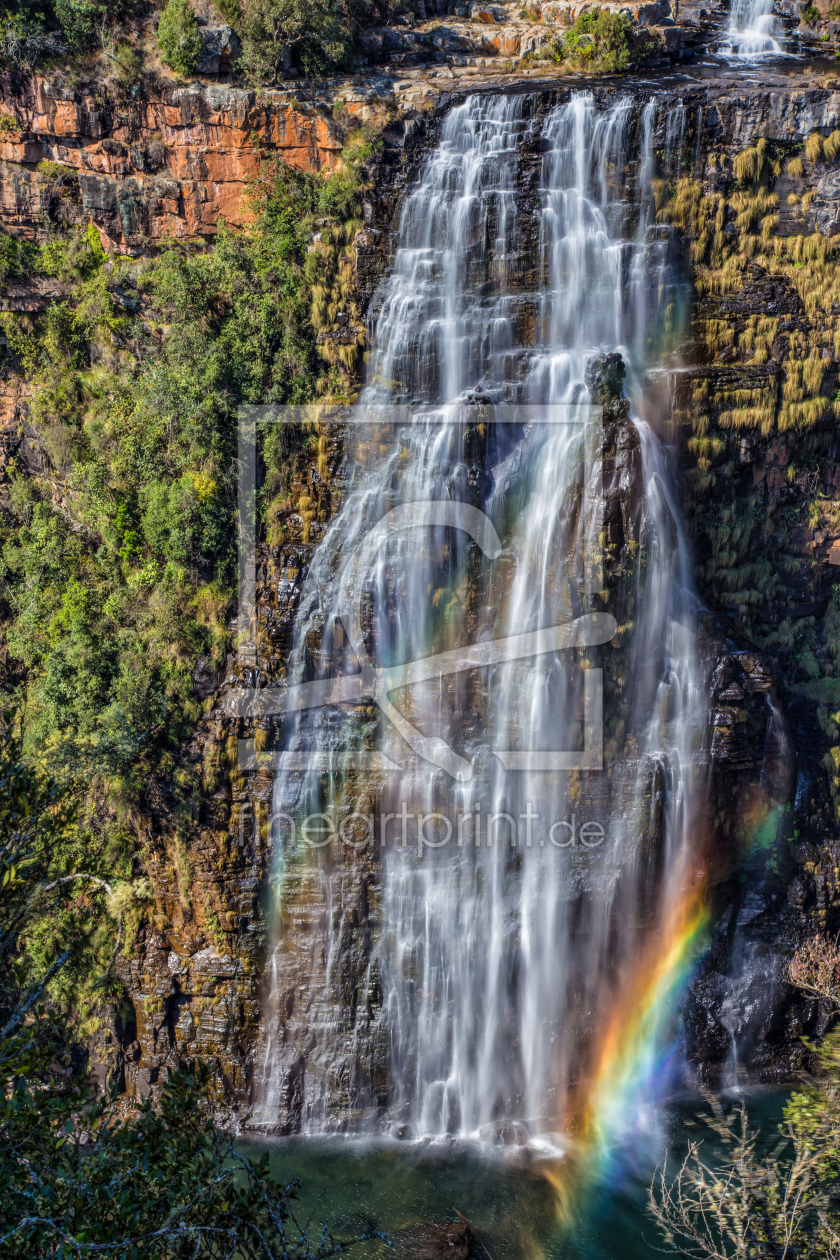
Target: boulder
372,44
219,47
489,13
826,206
434,1242
556,11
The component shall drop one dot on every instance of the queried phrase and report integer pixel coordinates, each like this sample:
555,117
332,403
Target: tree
598,41
79,20
78,1179
313,33
24,41
179,41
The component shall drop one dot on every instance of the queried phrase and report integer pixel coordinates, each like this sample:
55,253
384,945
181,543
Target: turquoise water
507,1198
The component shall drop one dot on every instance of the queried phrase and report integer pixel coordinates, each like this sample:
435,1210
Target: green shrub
811,15
81,1179
315,34
78,20
16,257
128,64
25,41
108,636
231,11
79,1175
179,41
598,41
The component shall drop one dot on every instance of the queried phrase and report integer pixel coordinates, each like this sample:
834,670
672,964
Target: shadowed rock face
173,162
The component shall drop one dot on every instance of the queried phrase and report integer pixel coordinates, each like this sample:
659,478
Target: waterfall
502,948
753,29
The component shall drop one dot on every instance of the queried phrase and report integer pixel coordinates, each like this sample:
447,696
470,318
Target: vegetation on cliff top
117,556
178,39
598,41
80,1179
312,35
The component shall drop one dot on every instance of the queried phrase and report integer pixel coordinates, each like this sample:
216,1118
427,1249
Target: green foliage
16,258
26,38
811,15
313,34
231,11
76,1174
78,20
832,626
57,870
750,1200
116,587
597,41
179,41
35,30
128,64
165,1183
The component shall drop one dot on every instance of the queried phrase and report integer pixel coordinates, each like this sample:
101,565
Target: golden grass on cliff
726,279
706,449
716,332
750,206
814,147
748,408
803,414
758,337
749,164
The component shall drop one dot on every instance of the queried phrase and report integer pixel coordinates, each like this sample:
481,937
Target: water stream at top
505,950
753,29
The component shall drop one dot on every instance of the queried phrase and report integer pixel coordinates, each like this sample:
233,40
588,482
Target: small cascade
753,30
504,947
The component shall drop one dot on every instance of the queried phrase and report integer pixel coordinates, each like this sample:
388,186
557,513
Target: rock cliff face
170,162
755,424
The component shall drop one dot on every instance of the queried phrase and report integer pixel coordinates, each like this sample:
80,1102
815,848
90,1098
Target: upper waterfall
753,29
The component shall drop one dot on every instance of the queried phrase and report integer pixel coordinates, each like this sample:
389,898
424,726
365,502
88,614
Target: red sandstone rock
171,163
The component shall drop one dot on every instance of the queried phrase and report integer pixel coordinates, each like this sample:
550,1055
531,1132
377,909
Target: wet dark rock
605,381
435,1242
504,1133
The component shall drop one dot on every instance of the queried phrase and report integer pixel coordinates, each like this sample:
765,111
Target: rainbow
636,1047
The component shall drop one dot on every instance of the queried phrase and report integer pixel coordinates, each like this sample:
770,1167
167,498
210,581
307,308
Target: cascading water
753,29
502,950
